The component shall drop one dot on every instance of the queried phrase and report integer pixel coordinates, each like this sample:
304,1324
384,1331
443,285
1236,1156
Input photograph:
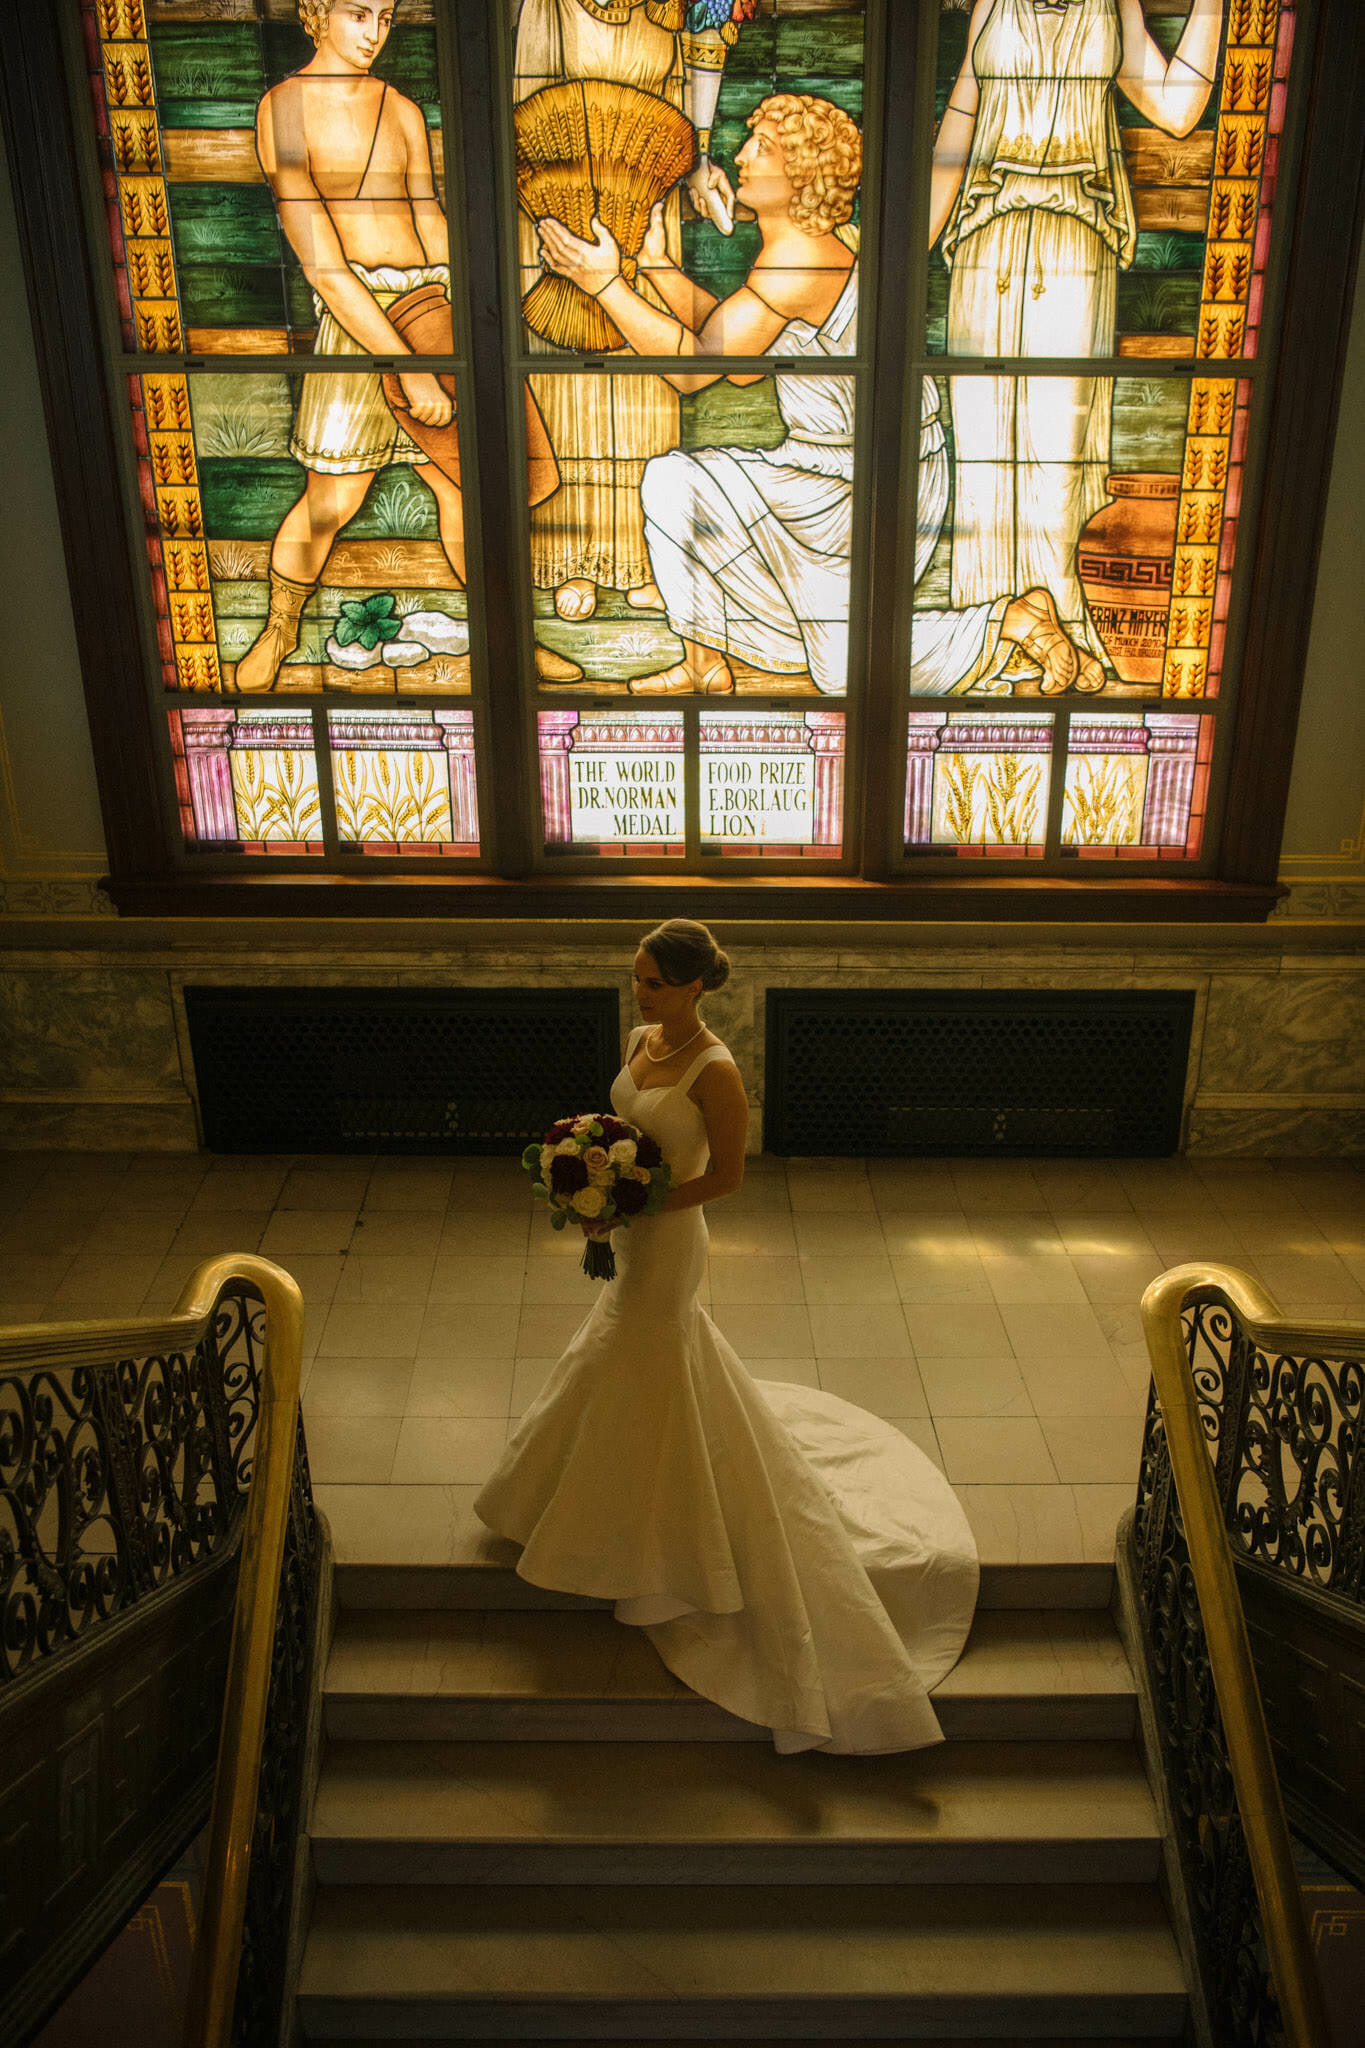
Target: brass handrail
1292,1969
236,1782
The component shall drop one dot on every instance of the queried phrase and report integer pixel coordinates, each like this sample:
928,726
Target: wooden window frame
1301,370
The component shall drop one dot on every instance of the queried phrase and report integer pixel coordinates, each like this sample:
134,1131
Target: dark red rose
613,1130
567,1174
647,1152
558,1131
630,1197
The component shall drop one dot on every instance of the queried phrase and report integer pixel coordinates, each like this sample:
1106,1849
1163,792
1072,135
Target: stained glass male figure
349,163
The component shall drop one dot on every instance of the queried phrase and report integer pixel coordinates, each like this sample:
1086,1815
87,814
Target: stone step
716,1962
481,1576
590,1813
461,1674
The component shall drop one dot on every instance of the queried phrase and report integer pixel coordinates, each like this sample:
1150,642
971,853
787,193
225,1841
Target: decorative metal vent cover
960,1071
397,1070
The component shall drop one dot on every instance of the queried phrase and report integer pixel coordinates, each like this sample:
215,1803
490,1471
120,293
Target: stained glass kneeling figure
751,548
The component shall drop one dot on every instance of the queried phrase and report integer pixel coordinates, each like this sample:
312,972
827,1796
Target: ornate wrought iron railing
1249,1448
160,1565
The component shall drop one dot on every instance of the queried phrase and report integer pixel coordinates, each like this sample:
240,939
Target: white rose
622,1152
568,1146
640,1173
547,1153
590,1201
600,1176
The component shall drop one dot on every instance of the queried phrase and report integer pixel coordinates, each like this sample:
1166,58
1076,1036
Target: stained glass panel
1103,177
404,781
772,783
612,783
1136,786
201,111
1106,575
693,532
720,567
977,783
273,575
247,780
645,118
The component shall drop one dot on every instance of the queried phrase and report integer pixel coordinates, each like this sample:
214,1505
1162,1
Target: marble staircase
526,1829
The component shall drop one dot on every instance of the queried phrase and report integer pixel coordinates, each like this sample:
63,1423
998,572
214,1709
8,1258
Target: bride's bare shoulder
719,1075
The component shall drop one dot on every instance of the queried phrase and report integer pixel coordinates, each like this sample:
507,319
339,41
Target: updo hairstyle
684,951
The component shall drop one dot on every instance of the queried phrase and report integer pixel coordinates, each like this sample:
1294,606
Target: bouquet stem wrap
599,1260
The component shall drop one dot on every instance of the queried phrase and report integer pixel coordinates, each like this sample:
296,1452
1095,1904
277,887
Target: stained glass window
1103,184
203,109
247,779
659,579
689,191
276,202
1011,602
1136,786
1082,151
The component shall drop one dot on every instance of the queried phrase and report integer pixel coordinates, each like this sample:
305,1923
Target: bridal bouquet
597,1170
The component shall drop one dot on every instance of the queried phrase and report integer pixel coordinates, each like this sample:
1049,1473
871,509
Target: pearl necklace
659,1058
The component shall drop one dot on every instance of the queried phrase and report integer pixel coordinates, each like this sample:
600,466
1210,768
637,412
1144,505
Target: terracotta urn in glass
1124,558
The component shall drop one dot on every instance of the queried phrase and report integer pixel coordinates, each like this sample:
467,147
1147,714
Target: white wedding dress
792,1558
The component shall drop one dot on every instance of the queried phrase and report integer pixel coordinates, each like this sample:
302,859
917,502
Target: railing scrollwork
139,1462
1249,1452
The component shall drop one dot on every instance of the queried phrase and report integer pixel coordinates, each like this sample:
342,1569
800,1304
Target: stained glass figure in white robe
1032,197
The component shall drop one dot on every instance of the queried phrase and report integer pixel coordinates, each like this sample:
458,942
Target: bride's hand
598,1230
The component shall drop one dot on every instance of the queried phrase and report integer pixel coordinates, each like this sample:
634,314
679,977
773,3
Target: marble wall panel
92,1031
98,1127
89,1055
1286,1034
1277,1133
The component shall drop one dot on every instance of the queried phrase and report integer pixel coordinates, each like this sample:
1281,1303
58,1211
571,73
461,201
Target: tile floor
987,1308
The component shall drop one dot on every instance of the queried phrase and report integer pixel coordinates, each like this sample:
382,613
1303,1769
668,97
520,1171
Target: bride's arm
725,1112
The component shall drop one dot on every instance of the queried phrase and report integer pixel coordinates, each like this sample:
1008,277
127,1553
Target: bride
792,1558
